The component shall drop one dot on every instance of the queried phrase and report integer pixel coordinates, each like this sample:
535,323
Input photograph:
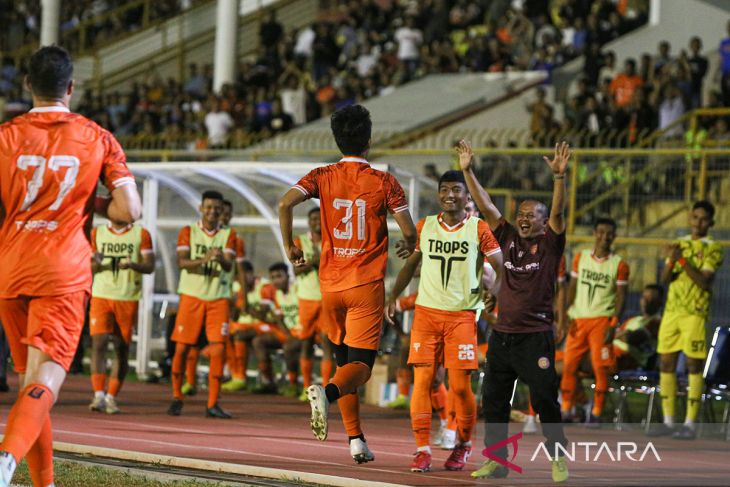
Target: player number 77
55,163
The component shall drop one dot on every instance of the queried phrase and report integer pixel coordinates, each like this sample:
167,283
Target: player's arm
703,278
480,196
292,198
183,252
97,259
308,266
146,266
401,282
497,263
124,205
559,167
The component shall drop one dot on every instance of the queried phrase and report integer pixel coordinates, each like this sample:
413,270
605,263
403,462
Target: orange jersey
354,201
50,163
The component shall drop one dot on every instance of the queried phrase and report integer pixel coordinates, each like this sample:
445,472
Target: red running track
271,431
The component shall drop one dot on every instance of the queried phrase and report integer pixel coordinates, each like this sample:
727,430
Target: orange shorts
355,316
52,324
193,313
448,337
589,335
309,317
111,316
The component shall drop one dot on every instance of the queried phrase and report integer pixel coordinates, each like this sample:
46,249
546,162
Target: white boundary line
231,468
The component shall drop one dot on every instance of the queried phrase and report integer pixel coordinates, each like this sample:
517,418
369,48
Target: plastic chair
717,378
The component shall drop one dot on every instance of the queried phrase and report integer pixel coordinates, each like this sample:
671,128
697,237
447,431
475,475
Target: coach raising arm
522,343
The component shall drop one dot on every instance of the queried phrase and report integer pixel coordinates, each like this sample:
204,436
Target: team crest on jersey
533,249
543,363
520,254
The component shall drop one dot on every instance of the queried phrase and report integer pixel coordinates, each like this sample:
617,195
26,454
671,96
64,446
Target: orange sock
191,367
231,361
98,381
421,405
403,378
292,375
351,376
305,365
439,400
464,402
326,368
114,386
350,411
26,420
177,372
599,395
40,456
241,351
217,357
451,410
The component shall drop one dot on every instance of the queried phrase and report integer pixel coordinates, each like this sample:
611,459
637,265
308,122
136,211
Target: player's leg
125,313
497,389
536,367
460,358
263,346
327,366
51,327
309,313
190,387
421,415
440,403
101,326
694,347
292,348
601,361
217,314
669,344
576,345
188,325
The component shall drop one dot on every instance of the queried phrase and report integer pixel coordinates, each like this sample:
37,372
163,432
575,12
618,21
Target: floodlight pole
50,21
226,28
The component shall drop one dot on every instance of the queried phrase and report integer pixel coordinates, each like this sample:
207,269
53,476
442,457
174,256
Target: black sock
332,392
361,436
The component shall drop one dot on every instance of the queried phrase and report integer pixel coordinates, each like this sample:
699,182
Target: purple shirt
530,271
725,55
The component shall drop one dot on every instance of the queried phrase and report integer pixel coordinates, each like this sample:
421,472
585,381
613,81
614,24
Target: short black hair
452,176
49,72
279,266
604,220
228,204
212,195
539,206
707,206
656,287
352,128
631,62
316,209
247,266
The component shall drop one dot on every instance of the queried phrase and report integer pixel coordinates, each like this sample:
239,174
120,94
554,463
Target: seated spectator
698,68
635,340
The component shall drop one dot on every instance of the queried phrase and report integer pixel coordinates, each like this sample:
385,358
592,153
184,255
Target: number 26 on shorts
39,165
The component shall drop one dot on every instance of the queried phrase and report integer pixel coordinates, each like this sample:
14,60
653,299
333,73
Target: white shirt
669,111
305,39
408,42
218,125
365,63
294,102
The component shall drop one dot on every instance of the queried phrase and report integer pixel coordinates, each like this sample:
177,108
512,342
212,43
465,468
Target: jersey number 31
55,163
346,234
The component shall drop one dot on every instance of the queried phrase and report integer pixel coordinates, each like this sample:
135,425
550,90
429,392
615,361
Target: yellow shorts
685,333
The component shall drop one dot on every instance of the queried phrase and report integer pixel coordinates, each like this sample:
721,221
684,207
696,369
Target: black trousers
531,358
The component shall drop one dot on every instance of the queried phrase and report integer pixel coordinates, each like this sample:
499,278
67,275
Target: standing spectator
625,85
271,32
698,69
725,68
324,51
304,41
671,108
218,124
609,68
663,57
294,100
539,113
279,121
409,41
195,85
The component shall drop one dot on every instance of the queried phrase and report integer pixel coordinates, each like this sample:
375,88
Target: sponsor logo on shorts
224,329
605,353
416,346
543,363
36,392
466,351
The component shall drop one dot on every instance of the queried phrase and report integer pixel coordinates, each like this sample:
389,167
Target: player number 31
346,234
55,163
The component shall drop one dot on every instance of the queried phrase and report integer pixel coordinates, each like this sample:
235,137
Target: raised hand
466,155
559,164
